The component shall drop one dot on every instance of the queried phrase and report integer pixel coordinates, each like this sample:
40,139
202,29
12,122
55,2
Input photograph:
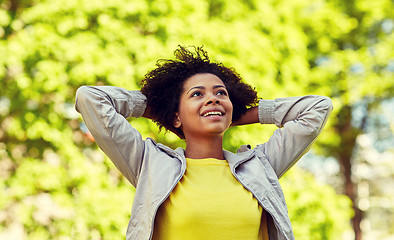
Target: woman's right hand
148,114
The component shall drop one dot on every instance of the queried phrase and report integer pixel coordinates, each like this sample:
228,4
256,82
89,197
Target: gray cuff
266,111
139,104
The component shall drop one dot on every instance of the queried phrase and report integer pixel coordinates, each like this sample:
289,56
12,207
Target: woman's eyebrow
202,87
199,87
218,86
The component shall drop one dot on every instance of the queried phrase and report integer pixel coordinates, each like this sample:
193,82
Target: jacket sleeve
104,110
300,121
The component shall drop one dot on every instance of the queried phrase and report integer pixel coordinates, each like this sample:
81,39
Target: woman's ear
177,121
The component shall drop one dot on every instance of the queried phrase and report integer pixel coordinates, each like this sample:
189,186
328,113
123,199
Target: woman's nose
212,99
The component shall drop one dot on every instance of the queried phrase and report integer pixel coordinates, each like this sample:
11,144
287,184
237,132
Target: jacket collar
233,159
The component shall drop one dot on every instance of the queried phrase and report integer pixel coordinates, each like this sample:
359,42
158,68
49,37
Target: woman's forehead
202,79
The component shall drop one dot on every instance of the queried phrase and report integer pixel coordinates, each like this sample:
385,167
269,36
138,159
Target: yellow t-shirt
209,203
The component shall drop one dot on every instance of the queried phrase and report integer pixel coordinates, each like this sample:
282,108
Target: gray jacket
154,169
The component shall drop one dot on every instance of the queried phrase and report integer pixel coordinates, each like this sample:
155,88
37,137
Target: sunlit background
56,184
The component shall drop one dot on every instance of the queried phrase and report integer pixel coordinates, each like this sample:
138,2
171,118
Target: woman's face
205,108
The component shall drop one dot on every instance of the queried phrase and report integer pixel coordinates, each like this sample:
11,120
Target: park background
56,184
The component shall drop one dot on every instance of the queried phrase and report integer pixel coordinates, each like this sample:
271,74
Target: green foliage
49,48
317,204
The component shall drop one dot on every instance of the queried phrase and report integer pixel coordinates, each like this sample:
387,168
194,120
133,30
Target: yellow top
209,203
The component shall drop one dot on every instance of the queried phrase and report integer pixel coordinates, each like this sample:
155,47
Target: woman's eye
222,92
196,94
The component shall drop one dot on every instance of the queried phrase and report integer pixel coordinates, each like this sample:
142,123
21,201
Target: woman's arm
300,121
104,110
249,117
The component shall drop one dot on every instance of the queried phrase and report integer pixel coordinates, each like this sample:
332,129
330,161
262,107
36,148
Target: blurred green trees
315,210
54,182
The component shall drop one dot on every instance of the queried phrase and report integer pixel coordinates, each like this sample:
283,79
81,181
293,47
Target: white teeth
212,113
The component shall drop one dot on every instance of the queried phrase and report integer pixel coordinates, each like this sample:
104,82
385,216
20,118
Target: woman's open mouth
213,114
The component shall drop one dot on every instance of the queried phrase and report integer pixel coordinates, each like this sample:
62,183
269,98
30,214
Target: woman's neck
204,148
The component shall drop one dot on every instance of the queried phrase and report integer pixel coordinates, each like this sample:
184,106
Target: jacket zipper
167,195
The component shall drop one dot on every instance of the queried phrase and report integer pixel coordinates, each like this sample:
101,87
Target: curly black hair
163,85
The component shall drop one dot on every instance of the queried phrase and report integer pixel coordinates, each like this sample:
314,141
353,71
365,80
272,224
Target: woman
202,191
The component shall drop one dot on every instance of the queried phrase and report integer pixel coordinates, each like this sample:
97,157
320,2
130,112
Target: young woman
202,191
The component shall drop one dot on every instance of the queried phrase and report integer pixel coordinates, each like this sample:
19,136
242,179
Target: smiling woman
204,114
164,85
202,191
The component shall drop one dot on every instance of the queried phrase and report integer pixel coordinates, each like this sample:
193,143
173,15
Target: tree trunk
344,154
14,6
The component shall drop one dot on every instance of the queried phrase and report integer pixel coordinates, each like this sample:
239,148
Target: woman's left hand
249,117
